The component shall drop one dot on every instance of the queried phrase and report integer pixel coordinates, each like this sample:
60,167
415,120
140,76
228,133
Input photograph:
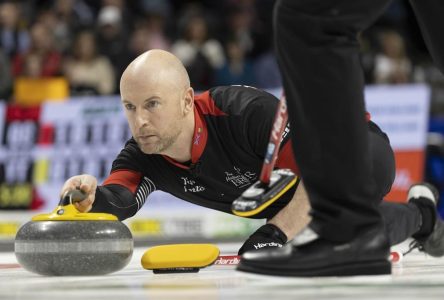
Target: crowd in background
90,42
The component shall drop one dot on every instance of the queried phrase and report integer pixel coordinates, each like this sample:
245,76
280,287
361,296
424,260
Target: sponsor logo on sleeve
240,179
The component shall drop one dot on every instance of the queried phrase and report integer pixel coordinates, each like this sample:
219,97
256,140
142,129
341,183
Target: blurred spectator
127,17
65,18
155,28
157,7
74,13
197,39
32,66
5,77
239,26
148,35
86,71
367,57
61,32
429,73
267,71
139,42
200,54
237,69
14,38
41,56
112,39
392,66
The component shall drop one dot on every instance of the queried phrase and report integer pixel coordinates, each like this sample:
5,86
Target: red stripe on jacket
127,178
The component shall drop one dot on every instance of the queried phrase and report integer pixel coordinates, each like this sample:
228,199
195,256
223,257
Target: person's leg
295,215
418,218
429,14
317,51
401,220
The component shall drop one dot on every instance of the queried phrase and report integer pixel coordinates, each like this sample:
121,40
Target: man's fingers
84,205
70,184
82,208
88,184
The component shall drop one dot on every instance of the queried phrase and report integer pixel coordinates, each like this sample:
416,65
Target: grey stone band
77,246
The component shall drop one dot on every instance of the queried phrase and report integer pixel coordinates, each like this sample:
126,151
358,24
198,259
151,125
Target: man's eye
129,106
153,104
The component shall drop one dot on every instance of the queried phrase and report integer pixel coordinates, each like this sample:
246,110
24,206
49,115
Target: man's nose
141,119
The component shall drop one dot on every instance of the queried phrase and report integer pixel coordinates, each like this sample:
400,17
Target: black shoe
309,255
425,196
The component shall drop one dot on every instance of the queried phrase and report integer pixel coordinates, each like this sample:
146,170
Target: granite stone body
72,248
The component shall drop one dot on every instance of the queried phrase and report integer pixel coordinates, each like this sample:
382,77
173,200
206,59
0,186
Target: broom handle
279,123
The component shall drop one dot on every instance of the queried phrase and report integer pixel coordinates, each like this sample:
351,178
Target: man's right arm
116,200
122,194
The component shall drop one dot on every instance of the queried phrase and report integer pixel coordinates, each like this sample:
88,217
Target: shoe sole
380,267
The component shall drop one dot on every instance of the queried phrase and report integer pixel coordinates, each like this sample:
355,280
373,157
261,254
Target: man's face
154,115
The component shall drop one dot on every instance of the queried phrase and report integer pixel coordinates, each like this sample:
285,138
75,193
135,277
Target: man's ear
188,101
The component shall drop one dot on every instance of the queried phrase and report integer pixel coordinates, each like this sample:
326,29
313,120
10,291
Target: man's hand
267,236
87,184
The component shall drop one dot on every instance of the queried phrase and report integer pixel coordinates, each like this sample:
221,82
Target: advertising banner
18,132
403,113
76,137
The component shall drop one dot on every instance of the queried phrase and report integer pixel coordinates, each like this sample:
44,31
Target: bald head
159,104
154,68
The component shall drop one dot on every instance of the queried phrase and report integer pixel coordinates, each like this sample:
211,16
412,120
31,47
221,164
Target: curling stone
67,242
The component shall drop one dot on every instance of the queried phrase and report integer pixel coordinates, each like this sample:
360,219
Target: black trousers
401,220
317,51
429,14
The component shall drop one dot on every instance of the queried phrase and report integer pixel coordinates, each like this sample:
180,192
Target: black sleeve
115,199
429,15
126,189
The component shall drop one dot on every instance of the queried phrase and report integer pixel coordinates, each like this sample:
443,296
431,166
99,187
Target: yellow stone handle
72,196
66,211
